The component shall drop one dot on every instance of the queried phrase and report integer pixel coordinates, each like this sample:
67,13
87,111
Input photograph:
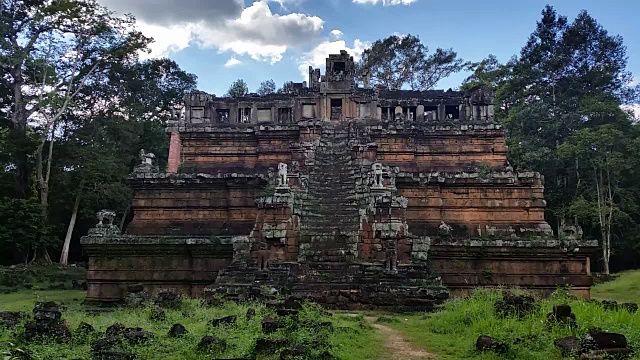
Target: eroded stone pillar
174,153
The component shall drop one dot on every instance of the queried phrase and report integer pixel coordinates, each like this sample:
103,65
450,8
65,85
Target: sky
224,40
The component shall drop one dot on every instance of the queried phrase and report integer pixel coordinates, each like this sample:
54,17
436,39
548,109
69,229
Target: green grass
625,288
350,340
39,277
452,332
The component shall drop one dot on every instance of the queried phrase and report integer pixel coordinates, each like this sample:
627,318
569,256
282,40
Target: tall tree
238,88
124,112
570,76
267,87
404,61
49,50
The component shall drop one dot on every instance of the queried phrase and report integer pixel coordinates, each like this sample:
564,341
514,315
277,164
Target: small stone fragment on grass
137,335
212,343
177,330
487,343
157,314
271,346
270,325
568,345
250,314
85,328
287,312
168,298
10,319
116,329
227,320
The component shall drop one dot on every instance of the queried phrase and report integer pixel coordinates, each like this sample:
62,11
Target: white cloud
385,2
336,33
232,62
253,31
634,109
317,57
166,39
261,34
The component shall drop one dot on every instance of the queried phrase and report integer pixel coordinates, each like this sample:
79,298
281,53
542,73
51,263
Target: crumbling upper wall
336,96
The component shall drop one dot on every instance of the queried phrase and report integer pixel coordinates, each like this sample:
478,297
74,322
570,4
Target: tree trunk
64,256
43,175
41,256
124,218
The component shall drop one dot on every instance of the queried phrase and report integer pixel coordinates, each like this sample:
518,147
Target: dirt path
397,346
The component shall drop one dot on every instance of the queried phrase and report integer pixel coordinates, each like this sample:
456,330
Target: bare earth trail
397,347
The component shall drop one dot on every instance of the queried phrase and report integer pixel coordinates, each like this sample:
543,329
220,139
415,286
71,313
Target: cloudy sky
223,40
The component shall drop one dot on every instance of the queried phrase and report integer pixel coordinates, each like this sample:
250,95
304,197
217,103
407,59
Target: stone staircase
329,218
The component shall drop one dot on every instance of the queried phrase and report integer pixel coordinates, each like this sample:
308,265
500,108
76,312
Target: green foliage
348,340
23,225
287,88
625,288
560,101
397,62
238,88
268,190
452,332
39,277
267,87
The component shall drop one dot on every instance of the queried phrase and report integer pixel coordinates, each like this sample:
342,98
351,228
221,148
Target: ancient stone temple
346,194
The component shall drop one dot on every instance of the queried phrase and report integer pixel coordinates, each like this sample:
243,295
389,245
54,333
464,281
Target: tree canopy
560,101
238,88
398,62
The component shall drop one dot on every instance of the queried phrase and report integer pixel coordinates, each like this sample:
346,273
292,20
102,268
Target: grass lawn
625,288
451,333
351,339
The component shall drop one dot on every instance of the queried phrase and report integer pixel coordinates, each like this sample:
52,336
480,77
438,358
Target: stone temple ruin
351,196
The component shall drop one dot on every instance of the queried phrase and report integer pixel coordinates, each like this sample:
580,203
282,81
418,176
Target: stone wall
182,263
540,266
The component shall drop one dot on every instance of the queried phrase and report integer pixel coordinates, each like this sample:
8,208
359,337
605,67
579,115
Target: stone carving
391,255
569,229
262,255
378,182
105,217
147,163
105,225
445,229
283,181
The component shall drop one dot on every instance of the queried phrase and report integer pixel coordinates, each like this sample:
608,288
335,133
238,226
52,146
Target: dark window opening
388,113
222,115
336,109
411,113
452,112
284,115
244,115
339,67
430,113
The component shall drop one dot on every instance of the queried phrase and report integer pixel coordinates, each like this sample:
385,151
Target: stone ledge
158,240
534,243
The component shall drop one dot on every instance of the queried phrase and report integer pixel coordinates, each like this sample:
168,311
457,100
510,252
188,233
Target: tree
488,72
239,88
124,112
403,61
267,87
569,80
49,51
602,156
287,88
